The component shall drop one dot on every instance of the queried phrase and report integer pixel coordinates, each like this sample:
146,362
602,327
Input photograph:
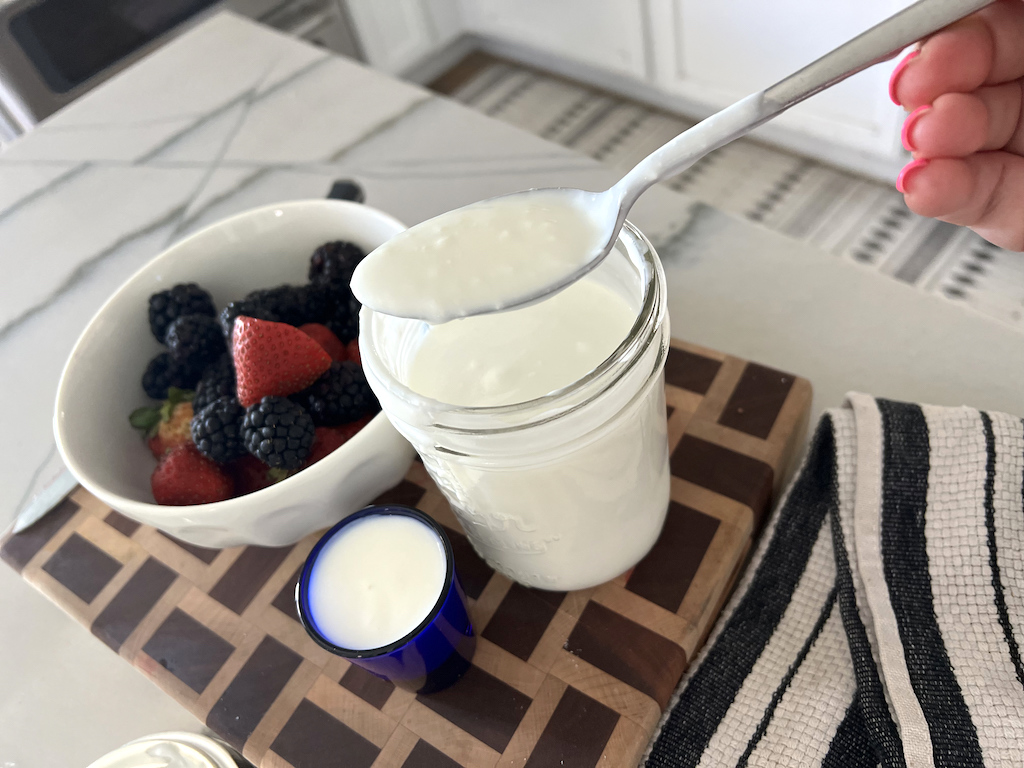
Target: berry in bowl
218,395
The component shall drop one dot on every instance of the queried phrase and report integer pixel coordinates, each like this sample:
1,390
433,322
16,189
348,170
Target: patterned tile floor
846,215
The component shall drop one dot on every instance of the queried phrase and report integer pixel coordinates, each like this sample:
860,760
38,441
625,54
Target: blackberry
295,305
339,396
247,308
346,189
344,322
195,339
183,299
333,263
315,302
217,430
278,432
163,372
218,380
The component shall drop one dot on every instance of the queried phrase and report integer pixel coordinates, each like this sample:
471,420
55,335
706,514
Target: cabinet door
395,34
714,53
606,34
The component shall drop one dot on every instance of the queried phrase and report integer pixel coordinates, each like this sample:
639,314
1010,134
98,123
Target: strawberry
273,359
325,441
251,475
352,348
185,476
156,447
167,426
175,431
329,439
325,337
349,430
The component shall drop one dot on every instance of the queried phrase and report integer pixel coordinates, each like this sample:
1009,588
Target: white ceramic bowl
100,384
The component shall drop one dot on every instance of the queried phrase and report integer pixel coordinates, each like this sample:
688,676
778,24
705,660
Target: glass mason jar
565,491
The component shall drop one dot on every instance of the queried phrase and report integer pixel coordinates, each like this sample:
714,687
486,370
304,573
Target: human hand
963,89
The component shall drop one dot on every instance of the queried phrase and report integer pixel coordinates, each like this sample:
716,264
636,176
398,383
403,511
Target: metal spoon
609,208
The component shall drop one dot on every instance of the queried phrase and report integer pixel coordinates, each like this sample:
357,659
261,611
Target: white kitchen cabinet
398,34
604,34
713,53
690,56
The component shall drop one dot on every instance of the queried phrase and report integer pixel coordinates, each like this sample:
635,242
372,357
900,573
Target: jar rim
560,401
302,599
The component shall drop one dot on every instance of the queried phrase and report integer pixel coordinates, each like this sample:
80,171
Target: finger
983,49
960,124
979,192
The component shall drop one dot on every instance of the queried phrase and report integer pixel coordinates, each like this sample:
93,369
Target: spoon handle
880,43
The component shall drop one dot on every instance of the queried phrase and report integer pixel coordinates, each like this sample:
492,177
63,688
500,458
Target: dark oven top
70,41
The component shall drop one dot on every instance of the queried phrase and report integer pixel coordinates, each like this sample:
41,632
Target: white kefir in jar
544,426
511,357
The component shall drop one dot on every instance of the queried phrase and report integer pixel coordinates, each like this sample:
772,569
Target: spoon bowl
471,261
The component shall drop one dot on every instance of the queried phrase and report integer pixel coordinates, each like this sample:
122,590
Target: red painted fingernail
894,78
908,126
901,180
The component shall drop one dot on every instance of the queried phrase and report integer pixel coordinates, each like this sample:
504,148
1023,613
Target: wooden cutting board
564,679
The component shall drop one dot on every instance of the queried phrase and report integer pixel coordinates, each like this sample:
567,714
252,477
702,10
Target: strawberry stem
147,419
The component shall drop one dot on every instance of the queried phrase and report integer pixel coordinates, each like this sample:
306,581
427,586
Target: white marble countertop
231,116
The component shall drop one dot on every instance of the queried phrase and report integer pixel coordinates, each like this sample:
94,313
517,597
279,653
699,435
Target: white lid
177,749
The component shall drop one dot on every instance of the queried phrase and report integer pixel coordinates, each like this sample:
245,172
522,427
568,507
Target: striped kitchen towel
882,617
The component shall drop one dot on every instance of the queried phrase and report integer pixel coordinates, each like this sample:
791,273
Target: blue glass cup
428,659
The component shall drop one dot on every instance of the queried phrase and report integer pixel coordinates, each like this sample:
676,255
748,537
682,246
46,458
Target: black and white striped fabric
881,620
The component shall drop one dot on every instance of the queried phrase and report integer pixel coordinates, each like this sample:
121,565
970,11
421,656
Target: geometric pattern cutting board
567,679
